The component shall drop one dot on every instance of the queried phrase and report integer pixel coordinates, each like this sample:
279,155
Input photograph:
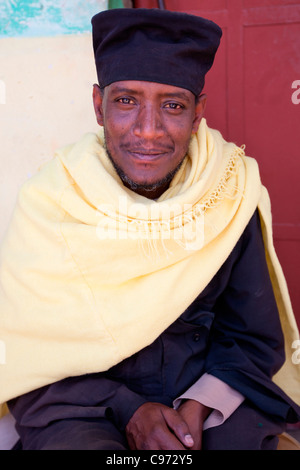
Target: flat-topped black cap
154,45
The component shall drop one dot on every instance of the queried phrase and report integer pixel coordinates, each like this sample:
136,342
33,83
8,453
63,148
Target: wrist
197,407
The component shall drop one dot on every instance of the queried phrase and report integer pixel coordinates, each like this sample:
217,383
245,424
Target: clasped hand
157,427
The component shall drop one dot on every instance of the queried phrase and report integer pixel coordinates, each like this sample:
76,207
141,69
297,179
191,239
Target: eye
174,106
125,100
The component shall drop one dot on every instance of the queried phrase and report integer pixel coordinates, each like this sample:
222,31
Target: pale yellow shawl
91,272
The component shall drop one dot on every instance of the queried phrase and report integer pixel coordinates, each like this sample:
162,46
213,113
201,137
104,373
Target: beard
148,187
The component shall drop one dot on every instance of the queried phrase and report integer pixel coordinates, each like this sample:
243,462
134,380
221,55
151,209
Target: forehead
149,89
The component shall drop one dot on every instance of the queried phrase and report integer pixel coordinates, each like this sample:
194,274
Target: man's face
147,128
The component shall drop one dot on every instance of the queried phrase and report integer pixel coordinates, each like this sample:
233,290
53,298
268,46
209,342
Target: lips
148,154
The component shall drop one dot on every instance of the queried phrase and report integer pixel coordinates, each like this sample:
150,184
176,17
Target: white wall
45,103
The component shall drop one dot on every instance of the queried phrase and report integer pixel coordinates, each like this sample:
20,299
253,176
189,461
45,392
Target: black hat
154,45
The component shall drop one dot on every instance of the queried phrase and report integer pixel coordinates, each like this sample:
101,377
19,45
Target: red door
254,99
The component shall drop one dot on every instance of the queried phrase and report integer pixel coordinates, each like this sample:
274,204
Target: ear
98,100
199,111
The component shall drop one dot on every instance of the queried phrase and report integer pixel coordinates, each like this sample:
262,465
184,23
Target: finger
164,439
131,442
188,440
178,425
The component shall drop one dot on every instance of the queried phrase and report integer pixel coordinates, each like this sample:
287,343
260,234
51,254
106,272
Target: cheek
180,128
182,140
113,132
111,143
112,128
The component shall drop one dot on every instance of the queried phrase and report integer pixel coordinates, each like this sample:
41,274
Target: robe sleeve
215,394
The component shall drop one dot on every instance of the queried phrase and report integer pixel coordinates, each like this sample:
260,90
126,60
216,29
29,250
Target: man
143,306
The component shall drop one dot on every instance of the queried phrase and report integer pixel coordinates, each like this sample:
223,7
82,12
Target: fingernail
189,440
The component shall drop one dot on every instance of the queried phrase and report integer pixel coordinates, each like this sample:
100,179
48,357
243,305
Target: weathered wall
46,76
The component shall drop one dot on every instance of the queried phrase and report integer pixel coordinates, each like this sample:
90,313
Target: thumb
180,428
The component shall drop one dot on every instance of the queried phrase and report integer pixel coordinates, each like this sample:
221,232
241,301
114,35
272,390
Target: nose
148,124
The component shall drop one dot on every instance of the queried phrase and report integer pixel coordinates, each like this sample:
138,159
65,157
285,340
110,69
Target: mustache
146,149
143,147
